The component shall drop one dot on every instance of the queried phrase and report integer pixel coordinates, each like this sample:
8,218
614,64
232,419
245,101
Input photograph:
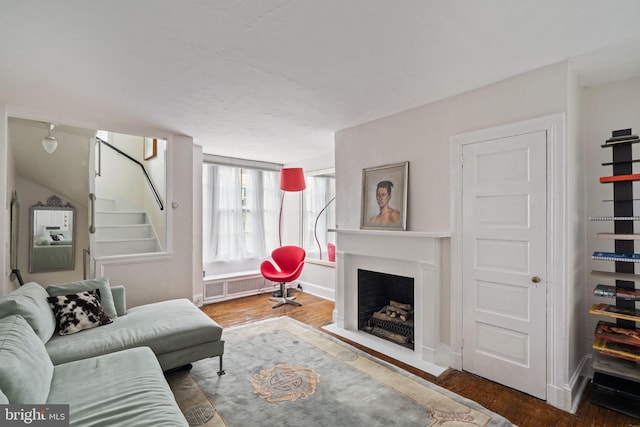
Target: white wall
149,280
7,182
170,275
422,137
120,178
575,269
156,168
607,107
197,285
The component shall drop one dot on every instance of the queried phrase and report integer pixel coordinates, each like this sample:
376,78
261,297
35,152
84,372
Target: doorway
509,269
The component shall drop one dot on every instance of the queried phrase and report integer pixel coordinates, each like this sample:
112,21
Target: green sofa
110,374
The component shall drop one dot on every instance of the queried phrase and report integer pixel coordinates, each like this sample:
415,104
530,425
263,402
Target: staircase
122,231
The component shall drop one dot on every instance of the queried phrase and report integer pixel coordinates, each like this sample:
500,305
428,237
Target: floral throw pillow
76,312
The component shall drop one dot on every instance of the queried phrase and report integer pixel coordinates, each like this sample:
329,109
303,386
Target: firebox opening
386,306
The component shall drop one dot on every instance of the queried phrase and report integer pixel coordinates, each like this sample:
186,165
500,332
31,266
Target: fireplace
419,257
386,306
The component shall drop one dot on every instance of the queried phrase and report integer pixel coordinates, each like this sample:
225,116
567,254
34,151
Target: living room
583,109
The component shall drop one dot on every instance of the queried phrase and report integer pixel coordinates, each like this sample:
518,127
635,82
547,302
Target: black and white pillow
76,312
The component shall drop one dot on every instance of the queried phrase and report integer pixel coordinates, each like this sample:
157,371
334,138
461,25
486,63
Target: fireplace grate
399,327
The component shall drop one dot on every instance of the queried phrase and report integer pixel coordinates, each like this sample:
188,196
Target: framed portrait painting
384,197
150,148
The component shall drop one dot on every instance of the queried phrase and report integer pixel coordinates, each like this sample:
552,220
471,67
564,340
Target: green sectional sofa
110,374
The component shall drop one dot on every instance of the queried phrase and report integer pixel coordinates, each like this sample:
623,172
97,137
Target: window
240,208
319,195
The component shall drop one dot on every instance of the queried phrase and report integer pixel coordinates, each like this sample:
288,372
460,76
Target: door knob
535,279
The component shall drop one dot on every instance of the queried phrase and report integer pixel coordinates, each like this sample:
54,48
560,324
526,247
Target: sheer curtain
234,232
224,229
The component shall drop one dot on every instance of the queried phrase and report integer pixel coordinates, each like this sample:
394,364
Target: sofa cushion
164,326
102,283
25,368
125,388
30,302
76,312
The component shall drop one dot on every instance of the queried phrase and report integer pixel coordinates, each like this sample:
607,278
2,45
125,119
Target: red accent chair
284,267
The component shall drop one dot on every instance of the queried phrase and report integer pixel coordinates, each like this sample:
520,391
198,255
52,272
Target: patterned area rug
285,373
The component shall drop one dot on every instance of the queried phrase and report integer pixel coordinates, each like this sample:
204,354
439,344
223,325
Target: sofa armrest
119,299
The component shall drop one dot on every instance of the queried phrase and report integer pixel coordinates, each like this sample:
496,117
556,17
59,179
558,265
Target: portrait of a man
384,197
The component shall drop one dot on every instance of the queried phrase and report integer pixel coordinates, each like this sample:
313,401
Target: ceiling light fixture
49,143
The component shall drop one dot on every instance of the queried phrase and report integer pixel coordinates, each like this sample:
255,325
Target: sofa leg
221,371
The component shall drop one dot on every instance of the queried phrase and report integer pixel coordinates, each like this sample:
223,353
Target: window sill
331,264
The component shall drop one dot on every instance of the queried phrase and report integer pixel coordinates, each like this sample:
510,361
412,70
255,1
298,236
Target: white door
504,261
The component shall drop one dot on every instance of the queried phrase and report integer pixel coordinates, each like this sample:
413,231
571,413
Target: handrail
92,213
146,175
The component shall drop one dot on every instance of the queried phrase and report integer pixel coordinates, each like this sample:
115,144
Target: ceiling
272,79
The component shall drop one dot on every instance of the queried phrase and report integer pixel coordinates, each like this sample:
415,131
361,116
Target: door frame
558,381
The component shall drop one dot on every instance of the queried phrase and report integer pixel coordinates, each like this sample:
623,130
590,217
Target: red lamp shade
292,179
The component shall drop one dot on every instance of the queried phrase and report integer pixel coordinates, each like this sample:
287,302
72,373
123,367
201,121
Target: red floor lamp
291,179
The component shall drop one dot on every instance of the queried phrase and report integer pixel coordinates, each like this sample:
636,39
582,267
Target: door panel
504,247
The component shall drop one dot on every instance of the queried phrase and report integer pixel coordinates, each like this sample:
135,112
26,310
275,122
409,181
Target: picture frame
392,183
150,148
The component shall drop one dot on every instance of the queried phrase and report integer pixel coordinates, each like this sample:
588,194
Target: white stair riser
125,247
123,232
120,218
105,204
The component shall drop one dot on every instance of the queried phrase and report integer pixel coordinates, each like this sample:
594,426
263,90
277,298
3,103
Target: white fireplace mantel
424,256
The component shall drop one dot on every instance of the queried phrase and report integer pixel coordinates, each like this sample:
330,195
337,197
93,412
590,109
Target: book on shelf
615,366
611,332
617,292
614,218
627,136
617,349
619,236
616,312
617,178
621,140
616,256
615,275
618,133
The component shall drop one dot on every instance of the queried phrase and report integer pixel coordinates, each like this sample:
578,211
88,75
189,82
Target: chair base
283,299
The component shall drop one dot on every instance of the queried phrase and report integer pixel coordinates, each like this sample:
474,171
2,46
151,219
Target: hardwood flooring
521,409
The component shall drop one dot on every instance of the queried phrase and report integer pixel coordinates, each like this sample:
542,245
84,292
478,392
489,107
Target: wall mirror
52,231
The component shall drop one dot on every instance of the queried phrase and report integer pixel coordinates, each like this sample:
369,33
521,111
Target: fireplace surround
421,256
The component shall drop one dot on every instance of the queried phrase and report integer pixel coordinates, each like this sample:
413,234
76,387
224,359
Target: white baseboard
319,291
198,300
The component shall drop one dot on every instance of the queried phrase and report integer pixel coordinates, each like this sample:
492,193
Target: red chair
284,267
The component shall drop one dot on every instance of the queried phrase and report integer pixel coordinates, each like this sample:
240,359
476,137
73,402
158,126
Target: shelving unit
616,379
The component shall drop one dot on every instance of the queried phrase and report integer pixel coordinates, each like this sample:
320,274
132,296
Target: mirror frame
53,204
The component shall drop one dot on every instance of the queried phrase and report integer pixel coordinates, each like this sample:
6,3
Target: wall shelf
616,384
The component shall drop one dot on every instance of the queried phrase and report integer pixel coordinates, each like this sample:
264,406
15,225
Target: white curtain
226,233
271,206
232,231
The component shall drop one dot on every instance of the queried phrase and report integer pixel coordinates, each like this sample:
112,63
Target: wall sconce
50,143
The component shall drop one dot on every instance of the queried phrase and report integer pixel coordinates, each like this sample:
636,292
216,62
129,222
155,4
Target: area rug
281,372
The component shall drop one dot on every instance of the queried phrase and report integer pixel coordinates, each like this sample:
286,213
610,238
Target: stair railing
144,171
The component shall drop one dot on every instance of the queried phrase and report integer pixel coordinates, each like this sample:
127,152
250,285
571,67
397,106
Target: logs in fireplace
393,322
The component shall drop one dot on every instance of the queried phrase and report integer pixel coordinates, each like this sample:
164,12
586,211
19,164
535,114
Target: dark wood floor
521,409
